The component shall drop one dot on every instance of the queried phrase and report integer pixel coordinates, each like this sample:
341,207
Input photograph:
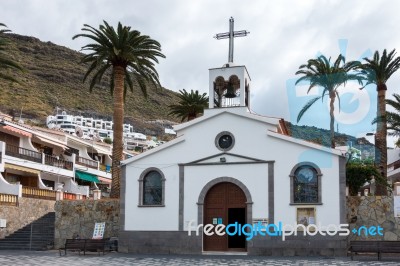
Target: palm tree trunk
332,96
118,119
380,138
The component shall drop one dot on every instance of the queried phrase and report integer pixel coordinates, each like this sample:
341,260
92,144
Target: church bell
230,91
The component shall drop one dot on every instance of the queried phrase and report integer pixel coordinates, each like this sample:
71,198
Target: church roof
238,111
304,143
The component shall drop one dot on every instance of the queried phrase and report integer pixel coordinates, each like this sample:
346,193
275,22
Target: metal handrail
23,153
86,162
54,161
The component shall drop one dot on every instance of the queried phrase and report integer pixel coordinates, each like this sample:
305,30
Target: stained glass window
305,185
152,189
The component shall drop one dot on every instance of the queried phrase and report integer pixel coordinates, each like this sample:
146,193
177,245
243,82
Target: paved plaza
42,258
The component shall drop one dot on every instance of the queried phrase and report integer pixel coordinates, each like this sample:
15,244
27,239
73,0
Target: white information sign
396,206
98,232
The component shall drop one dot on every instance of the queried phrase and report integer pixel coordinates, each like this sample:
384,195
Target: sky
283,35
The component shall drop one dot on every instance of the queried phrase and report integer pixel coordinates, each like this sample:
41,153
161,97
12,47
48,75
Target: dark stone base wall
178,242
78,217
159,242
298,246
27,211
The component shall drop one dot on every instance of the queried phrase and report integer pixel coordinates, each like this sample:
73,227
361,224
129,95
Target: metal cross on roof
231,34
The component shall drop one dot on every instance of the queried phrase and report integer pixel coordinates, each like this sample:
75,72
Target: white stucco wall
152,218
253,176
25,142
292,154
226,73
251,140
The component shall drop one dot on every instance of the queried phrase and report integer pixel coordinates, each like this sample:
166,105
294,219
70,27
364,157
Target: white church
233,167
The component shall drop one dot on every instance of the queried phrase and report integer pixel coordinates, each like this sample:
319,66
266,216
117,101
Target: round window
225,141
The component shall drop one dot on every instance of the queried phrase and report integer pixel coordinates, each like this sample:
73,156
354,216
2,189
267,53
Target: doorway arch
224,200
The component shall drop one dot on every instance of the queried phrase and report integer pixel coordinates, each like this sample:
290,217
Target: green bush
360,172
107,140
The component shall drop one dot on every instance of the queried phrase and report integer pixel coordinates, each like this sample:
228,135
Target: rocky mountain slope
53,78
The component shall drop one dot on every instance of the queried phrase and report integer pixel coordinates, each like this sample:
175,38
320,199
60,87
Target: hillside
322,136
53,77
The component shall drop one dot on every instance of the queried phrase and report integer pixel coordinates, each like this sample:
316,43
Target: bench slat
90,245
374,247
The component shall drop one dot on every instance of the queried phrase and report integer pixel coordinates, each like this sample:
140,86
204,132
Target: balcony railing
22,153
54,161
69,196
86,162
8,200
105,168
395,165
72,196
37,193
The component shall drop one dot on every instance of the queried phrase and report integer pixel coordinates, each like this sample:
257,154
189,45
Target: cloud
283,35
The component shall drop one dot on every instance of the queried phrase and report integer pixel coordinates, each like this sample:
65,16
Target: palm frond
306,107
190,105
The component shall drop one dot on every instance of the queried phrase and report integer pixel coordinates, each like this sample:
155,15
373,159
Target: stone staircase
40,238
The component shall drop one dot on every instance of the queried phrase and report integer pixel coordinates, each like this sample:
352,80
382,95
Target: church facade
233,181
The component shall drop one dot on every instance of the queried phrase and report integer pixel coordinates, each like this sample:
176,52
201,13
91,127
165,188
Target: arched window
305,184
219,90
151,189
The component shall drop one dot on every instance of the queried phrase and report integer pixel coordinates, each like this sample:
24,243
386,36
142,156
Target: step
24,248
23,244
34,232
35,236
28,236
15,242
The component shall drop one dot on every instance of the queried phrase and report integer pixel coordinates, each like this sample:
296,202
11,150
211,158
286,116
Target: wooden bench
388,247
73,245
85,245
95,245
378,247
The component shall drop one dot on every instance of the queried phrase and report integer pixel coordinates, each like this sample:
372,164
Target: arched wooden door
224,203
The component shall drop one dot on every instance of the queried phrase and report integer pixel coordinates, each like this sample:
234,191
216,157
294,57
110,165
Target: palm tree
377,71
5,62
320,73
393,118
190,105
131,58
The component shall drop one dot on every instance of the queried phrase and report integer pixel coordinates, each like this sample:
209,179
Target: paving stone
44,258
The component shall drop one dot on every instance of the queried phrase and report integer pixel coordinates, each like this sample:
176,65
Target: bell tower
229,85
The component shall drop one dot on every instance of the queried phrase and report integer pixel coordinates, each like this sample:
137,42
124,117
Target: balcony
24,154
87,162
105,168
8,200
54,161
396,165
72,196
37,193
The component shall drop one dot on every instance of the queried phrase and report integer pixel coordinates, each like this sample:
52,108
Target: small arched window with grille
152,186
305,184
